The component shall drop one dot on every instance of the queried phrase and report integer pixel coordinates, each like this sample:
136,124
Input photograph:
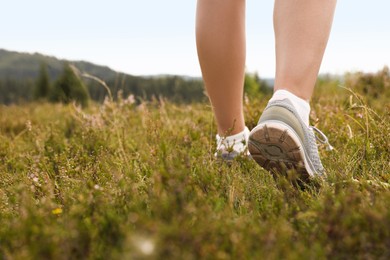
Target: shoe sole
276,147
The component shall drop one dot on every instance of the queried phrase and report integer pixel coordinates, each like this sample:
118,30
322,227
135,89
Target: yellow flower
56,211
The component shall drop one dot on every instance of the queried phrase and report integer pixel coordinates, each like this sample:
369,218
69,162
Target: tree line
71,86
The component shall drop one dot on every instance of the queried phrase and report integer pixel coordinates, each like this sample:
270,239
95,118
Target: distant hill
19,71
24,66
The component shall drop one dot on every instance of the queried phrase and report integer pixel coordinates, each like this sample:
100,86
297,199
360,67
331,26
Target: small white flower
146,246
28,125
130,100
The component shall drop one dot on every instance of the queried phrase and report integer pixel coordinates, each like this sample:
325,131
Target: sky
150,37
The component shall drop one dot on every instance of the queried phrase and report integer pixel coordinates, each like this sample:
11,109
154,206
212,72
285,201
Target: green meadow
138,180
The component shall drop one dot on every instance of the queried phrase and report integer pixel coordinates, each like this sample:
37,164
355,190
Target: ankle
237,141
302,106
230,131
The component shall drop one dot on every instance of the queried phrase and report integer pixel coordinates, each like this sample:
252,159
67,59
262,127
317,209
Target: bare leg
281,141
302,30
220,34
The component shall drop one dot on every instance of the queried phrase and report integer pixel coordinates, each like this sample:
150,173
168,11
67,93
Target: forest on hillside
29,77
21,74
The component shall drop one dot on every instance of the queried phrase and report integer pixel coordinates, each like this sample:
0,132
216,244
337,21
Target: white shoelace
322,138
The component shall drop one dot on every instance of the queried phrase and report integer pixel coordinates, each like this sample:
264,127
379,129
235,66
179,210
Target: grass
126,181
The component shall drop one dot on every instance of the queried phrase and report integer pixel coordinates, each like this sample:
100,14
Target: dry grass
128,181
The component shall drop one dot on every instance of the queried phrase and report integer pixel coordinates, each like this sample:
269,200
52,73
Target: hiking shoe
281,141
230,147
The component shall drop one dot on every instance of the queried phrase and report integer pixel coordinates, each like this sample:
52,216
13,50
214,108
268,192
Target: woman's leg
220,37
302,30
283,139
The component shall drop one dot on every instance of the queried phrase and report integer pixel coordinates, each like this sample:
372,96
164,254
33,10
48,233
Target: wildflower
97,187
130,100
56,211
28,125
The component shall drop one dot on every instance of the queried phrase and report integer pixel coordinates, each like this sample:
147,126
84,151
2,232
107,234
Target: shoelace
322,138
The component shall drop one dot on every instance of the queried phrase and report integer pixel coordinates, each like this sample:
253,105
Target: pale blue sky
146,37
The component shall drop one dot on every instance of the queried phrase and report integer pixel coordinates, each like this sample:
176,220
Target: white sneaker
230,147
282,141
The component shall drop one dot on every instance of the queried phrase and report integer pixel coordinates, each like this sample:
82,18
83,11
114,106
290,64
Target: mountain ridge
24,66
19,72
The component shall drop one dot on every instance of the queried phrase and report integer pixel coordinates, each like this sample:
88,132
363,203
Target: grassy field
127,181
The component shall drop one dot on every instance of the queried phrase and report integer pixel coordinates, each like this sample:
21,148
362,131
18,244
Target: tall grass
126,181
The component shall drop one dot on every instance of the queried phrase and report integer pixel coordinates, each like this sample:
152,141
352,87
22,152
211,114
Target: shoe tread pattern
274,149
